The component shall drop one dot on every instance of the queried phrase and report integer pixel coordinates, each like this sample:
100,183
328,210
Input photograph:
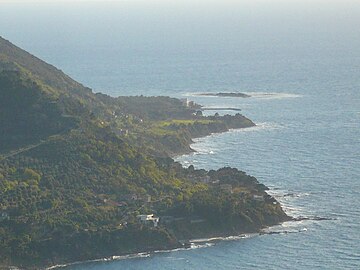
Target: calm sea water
300,63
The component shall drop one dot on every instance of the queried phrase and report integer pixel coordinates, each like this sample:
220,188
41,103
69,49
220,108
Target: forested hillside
77,169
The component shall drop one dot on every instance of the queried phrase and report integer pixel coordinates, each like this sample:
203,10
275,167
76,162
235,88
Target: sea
300,63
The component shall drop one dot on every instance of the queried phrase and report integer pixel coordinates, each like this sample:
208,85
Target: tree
30,174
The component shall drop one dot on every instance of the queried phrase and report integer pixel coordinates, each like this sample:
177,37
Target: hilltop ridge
9,53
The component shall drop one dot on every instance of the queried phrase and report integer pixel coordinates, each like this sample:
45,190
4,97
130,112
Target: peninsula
85,176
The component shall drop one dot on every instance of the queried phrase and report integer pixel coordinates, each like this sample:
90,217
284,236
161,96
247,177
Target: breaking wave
257,95
272,95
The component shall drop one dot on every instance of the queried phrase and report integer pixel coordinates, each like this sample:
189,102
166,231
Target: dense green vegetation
76,168
27,112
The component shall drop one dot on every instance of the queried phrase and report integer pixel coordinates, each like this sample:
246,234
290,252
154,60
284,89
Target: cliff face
76,170
178,141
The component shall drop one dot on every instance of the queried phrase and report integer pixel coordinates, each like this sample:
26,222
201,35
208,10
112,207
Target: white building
148,219
185,102
4,216
258,198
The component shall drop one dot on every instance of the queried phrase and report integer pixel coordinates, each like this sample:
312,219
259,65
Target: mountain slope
9,53
28,112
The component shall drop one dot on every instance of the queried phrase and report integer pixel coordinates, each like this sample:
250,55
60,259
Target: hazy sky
166,24
136,33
